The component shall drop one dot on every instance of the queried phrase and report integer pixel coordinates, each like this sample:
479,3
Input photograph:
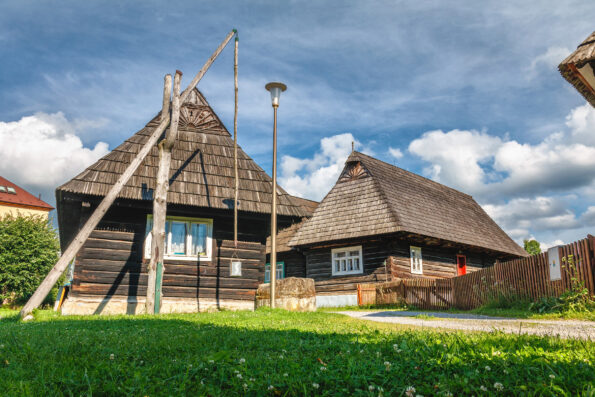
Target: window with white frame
416,262
347,260
185,238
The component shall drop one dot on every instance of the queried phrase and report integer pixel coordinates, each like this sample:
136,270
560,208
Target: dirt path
471,322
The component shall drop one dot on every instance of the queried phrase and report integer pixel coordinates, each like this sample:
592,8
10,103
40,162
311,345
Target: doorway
461,265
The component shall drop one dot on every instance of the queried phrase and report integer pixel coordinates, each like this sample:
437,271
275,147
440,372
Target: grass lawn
273,352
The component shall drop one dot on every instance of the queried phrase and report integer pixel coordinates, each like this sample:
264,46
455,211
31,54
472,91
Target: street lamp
275,89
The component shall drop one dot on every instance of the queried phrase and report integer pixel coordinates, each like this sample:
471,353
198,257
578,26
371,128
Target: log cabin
109,273
579,69
381,222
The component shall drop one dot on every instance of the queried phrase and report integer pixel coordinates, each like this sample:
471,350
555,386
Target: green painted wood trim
158,283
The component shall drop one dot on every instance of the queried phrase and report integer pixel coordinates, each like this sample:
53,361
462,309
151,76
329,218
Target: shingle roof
284,235
20,196
372,197
579,66
201,173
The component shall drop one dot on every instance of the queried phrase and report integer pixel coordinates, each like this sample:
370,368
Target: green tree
532,247
29,248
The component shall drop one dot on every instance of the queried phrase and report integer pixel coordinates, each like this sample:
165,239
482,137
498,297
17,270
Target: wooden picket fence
526,278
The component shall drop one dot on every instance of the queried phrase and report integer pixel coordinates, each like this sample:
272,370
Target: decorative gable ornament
354,170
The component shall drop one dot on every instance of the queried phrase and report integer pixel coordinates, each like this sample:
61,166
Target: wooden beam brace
78,241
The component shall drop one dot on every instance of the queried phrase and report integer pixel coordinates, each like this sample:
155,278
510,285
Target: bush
29,248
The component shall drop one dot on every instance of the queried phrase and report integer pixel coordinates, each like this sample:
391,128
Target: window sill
347,274
185,258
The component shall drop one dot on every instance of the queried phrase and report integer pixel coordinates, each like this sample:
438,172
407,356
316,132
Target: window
11,190
2,189
416,262
185,238
347,260
280,270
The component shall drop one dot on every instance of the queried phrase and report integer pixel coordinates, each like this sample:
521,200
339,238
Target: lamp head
275,89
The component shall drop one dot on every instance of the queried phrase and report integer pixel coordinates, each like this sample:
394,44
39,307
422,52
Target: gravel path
471,322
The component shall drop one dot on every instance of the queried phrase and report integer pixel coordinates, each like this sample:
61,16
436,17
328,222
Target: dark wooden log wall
295,263
318,267
111,261
438,262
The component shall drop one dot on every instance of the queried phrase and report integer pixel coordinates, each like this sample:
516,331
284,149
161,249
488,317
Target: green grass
248,353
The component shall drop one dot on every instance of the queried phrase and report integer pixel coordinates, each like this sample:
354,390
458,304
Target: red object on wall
461,265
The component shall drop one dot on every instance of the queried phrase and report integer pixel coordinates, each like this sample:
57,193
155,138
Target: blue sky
466,93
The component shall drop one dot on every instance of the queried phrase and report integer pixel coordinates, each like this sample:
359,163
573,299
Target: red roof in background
22,197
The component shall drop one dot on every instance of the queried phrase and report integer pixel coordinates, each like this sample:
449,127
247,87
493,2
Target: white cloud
581,122
395,152
588,217
314,177
42,151
494,168
549,59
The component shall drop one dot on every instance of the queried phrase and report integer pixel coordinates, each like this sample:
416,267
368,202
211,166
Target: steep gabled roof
20,197
201,173
372,197
578,68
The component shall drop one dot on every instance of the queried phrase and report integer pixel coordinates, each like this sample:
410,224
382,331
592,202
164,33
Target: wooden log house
110,271
381,222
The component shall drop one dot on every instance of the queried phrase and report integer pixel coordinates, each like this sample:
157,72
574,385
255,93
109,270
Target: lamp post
275,89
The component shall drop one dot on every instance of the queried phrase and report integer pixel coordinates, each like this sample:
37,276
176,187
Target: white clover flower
239,376
112,356
284,351
361,351
447,394
252,379
211,361
496,353
552,376
378,354
281,356
315,385
371,387
483,388
488,368
286,374
245,385
1,346
236,372
242,360
498,386
271,387
410,391
323,368
506,371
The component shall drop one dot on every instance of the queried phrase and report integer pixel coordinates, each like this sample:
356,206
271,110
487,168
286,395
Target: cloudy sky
466,93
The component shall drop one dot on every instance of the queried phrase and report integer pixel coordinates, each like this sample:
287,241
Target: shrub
576,300
28,249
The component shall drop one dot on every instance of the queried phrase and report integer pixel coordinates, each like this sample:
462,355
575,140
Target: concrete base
336,300
84,305
290,303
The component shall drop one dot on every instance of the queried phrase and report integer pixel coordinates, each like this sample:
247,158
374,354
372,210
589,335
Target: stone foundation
292,293
84,305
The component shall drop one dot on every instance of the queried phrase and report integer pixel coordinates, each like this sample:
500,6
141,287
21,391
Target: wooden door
461,265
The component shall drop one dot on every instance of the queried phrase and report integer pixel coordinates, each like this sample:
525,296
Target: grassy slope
201,355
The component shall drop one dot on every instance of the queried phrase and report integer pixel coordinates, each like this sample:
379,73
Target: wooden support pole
156,265
78,241
235,145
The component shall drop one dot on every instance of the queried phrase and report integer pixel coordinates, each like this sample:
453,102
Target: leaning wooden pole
156,265
78,241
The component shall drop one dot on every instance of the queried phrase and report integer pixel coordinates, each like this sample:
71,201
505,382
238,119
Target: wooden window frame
189,221
412,249
346,250
267,268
